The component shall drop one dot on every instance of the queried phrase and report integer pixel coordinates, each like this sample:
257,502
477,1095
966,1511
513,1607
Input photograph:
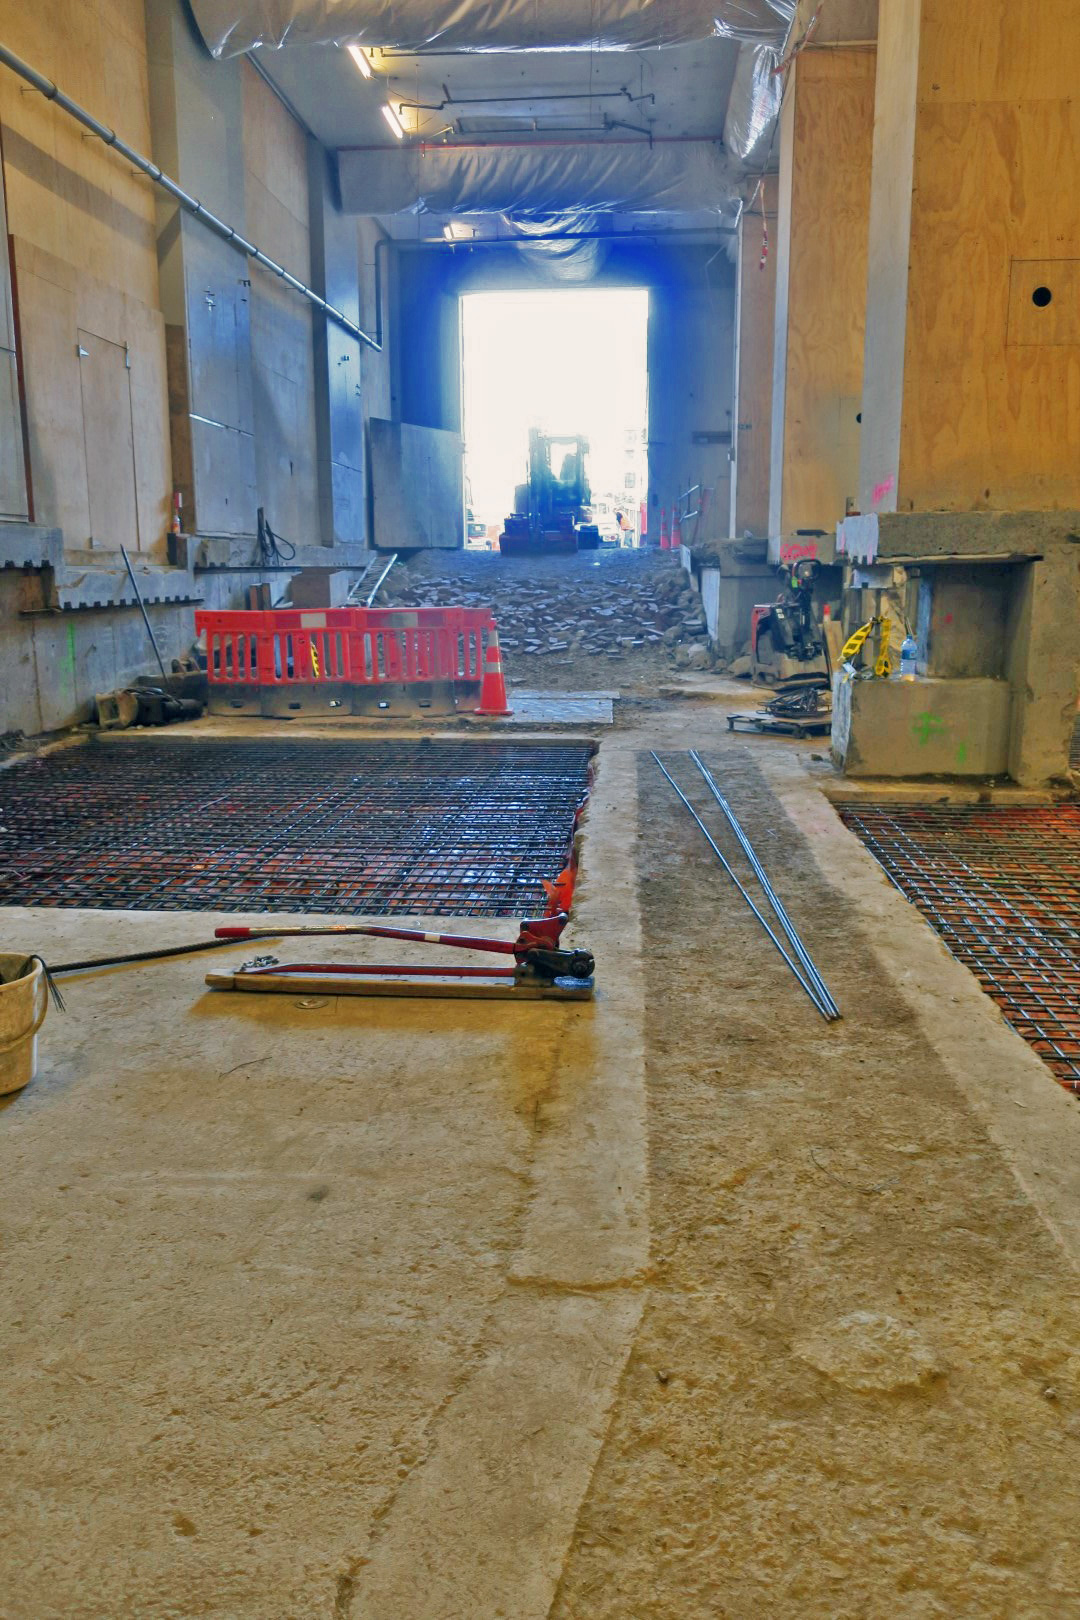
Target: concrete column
197,125
755,317
972,336
339,422
826,140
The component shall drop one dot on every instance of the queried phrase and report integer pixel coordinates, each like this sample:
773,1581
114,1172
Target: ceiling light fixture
361,58
394,121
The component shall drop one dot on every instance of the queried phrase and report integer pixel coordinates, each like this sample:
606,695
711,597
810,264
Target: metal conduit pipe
190,204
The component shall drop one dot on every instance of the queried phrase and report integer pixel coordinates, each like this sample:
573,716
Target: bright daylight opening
569,364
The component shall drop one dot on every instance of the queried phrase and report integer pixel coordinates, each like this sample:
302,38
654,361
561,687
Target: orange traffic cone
664,543
493,690
676,532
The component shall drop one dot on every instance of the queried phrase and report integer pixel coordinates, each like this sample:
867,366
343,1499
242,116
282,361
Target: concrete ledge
29,545
921,728
78,589
916,536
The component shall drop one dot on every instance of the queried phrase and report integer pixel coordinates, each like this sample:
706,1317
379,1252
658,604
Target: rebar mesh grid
439,829
1001,885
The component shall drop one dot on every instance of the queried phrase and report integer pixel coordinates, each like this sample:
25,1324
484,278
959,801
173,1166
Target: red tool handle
464,942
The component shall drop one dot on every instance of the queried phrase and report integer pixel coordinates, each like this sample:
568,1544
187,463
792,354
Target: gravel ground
594,620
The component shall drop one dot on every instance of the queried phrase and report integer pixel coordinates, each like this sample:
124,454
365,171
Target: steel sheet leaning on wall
230,27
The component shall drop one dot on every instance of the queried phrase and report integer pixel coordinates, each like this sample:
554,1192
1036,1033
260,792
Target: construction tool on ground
542,970
536,948
806,712
823,1002
805,959
787,647
551,511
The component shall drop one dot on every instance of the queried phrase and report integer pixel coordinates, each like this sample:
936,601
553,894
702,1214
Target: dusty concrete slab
353,1312
265,1303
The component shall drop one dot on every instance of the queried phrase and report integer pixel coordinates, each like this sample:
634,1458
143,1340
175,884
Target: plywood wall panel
987,422
832,138
998,50
887,256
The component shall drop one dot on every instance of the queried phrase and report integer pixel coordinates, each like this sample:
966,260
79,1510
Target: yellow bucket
24,1001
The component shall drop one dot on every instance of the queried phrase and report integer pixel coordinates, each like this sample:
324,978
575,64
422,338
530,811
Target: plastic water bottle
909,657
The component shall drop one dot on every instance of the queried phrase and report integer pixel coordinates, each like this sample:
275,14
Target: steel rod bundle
770,894
801,963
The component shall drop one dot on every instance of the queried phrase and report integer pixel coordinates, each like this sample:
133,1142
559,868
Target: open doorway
567,364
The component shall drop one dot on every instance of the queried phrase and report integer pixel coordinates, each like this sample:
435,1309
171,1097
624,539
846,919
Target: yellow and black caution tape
855,643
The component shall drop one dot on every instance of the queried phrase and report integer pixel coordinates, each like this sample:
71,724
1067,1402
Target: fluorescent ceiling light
361,58
394,121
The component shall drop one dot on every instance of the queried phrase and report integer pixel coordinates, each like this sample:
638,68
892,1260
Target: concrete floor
407,1311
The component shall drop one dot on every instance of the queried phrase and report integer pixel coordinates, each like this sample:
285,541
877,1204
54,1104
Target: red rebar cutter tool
542,970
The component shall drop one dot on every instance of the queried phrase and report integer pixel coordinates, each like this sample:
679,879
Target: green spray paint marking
927,725
961,753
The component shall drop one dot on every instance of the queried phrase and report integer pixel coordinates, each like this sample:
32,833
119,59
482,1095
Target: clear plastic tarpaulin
754,105
230,27
536,180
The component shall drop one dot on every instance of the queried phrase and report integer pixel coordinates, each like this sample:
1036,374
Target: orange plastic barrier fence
355,646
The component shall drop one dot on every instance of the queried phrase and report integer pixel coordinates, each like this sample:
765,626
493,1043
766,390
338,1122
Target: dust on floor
855,1391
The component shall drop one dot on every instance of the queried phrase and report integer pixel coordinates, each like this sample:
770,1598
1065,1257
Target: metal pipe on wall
191,205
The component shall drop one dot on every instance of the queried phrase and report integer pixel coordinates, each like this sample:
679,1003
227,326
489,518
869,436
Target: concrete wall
90,328
282,329
158,357
14,490
417,485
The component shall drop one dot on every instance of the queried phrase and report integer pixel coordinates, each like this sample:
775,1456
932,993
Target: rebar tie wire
809,978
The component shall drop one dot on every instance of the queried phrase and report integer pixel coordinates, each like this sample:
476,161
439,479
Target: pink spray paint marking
792,551
881,490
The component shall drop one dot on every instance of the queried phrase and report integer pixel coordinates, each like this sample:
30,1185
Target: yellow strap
853,646
883,667
855,642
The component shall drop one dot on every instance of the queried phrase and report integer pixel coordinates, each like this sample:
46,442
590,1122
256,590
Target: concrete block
921,728
320,588
729,602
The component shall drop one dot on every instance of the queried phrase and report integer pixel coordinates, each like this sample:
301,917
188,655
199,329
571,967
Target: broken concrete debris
634,608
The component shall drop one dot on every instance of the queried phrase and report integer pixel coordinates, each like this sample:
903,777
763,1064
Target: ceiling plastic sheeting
231,27
535,181
754,105
560,260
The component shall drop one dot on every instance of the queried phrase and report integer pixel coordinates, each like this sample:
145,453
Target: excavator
551,513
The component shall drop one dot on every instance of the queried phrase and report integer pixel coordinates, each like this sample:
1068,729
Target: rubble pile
563,621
